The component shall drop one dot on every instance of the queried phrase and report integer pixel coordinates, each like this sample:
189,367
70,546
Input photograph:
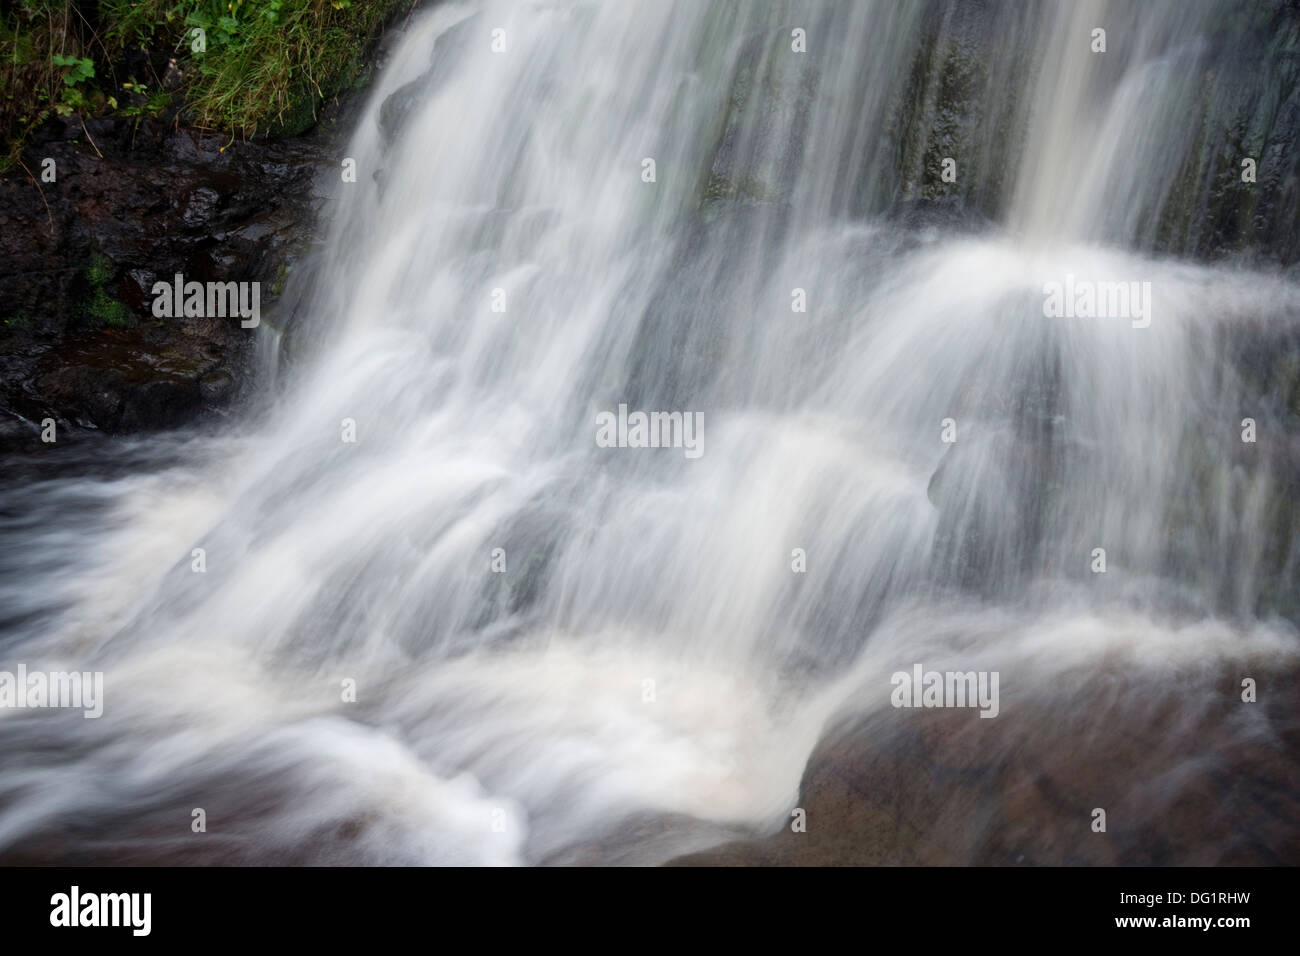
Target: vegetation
100,305
243,66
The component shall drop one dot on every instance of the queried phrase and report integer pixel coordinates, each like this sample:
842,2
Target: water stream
501,274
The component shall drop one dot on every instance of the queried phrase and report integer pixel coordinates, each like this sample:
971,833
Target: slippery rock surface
130,206
906,787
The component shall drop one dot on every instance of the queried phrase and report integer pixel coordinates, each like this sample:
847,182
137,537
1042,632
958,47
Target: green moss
745,188
100,271
100,305
109,311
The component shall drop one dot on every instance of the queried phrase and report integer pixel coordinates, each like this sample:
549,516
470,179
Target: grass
246,67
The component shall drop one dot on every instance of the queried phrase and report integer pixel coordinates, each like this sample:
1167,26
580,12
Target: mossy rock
299,116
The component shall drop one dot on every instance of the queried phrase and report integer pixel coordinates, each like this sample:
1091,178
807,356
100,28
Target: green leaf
82,68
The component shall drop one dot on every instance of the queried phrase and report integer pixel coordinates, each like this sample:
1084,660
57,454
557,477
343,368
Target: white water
519,699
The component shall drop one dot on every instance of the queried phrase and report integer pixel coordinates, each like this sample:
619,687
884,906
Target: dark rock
78,339
1209,783
448,50
397,108
200,206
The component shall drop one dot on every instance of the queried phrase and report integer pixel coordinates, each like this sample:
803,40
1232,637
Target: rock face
960,86
130,206
1251,109
1185,771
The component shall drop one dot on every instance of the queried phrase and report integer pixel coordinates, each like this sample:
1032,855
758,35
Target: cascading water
564,652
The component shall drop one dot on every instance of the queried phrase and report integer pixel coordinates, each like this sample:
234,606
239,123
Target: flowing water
500,274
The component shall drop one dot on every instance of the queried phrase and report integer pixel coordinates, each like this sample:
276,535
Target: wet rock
201,206
397,108
757,153
127,380
1210,211
1186,772
215,386
79,257
448,50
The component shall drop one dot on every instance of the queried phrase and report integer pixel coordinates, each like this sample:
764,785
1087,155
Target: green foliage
269,63
142,102
31,35
109,311
100,270
79,68
243,66
100,305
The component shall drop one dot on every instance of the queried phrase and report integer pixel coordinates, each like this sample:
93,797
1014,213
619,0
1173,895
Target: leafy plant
143,103
262,65
80,68
76,70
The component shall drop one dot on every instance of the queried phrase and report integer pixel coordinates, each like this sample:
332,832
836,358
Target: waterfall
438,621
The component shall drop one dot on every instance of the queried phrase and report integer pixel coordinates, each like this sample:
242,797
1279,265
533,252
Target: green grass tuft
241,66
